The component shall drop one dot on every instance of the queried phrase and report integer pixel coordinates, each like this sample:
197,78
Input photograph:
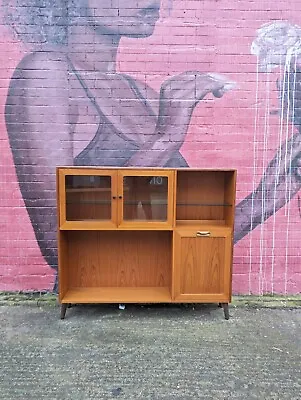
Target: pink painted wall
243,130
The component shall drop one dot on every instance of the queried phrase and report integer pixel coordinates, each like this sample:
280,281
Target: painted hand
187,89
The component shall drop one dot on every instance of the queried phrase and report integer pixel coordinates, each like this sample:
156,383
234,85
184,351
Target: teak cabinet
145,235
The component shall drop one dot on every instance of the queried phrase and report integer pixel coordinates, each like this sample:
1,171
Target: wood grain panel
63,263
119,258
118,295
202,265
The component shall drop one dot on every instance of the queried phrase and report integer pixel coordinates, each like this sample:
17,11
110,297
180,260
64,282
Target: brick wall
48,117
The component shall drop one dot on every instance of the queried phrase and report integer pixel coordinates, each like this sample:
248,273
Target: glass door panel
146,198
88,197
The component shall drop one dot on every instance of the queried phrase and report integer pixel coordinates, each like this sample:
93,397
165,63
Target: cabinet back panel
119,258
88,204
200,187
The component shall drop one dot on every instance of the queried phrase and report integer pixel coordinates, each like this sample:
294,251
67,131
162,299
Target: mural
75,98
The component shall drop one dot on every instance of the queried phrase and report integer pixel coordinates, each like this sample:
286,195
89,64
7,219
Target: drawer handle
203,233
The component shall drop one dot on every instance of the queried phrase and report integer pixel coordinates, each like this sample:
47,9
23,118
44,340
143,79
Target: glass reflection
145,198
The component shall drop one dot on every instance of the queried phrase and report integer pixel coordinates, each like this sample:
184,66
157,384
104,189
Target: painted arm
37,124
281,181
179,96
282,178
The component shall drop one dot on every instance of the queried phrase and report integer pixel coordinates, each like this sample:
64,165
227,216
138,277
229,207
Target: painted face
131,18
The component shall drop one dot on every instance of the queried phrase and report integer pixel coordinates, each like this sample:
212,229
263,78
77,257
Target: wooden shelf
117,295
90,189
91,202
201,222
146,202
203,205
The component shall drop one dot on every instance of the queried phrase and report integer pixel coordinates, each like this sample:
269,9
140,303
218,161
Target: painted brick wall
48,117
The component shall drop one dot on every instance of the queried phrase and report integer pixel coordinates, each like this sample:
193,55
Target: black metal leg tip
63,310
226,310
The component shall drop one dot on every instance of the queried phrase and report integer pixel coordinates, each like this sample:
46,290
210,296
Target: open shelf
117,295
108,262
205,196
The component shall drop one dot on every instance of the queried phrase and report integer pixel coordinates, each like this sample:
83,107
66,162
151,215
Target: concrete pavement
149,352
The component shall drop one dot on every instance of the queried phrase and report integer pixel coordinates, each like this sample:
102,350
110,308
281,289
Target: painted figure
67,105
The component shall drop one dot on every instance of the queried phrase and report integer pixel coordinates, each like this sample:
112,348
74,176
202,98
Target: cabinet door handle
114,197
119,197
202,233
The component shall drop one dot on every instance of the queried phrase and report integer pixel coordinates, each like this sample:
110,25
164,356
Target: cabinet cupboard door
87,199
146,198
202,265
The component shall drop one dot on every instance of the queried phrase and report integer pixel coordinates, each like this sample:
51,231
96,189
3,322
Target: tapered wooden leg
226,310
63,310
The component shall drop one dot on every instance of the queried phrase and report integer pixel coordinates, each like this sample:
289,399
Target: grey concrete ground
151,352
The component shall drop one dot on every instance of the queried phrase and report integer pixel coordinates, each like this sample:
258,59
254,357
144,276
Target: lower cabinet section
184,265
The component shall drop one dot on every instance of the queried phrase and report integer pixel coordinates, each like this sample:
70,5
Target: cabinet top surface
144,168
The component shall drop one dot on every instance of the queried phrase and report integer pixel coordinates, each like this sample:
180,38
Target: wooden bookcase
145,235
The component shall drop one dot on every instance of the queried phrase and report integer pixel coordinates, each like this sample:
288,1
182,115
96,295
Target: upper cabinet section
128,198
110,199
205,197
